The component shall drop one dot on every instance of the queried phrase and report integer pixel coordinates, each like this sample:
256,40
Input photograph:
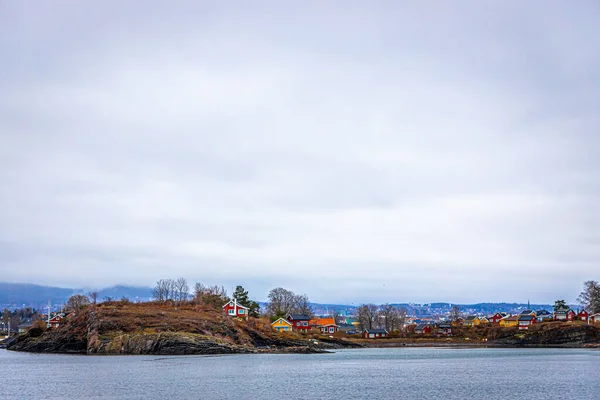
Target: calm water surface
348,374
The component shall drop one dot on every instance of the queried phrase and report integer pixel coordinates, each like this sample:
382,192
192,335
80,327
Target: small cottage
300,322
282,325
374,333
583,316
525,321
234,309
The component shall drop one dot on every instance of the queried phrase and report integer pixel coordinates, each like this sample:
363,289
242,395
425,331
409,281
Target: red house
571,315
423,328
444,329
374,333
525,321
234,309
495,319
300,322
55,321
583,316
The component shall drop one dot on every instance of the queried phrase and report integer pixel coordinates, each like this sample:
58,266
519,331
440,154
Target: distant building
495,319
525,321
423,328
583,316
509,321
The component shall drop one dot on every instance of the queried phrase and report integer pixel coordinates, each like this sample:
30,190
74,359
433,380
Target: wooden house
594,318
583,316
300,322
374,333
325,325
282,325
472,320
444,329
525,321
55,321
511,320
495,319
233,309
423,329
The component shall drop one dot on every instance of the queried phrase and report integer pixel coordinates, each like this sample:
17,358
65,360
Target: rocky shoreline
111,331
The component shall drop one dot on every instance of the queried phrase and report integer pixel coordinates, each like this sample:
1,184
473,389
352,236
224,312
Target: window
305,323
231,312
241,311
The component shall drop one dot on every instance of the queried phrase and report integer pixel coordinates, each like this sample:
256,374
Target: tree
77,302
181,290
241,295
94,297
455,313
281,302
162,290
367,315
302,305
589,297
391,317
560,305
210,296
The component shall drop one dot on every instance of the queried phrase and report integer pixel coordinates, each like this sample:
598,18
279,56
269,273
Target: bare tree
162,290
391,317
77,302
455,313
301,305
94,297
367,315
281,302
210,296
589,298
181,290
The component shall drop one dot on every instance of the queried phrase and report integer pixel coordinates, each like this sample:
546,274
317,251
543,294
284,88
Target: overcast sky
385,152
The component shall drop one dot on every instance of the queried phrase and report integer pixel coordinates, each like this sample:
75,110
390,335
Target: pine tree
241,295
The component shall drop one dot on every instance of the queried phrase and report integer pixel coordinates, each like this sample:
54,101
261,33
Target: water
415,373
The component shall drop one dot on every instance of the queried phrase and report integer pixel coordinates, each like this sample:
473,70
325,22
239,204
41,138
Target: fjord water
415,373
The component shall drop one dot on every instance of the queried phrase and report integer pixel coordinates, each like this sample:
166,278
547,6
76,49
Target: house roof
378,330
511,318
445,326
238,305
299,317
543,312
526,317
421,326
472,318
322,321
525,312
285,321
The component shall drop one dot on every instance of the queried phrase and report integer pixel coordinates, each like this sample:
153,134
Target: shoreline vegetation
125,328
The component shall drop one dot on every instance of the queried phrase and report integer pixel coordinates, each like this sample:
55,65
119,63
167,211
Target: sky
392,151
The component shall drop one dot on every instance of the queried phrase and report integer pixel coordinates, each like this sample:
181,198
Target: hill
151,328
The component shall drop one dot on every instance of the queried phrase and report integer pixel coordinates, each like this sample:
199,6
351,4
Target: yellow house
282,325
484,320
472,320
509,321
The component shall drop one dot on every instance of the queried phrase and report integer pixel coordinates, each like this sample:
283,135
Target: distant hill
26,293
35,295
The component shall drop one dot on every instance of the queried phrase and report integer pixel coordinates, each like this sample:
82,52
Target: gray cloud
393,152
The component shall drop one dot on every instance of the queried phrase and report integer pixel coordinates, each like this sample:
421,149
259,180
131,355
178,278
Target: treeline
177,291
